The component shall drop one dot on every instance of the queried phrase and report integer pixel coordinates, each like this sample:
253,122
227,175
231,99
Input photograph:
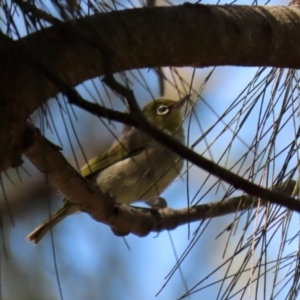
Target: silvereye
135,167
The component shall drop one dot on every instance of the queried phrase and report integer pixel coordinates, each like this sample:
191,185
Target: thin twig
29,8
209,166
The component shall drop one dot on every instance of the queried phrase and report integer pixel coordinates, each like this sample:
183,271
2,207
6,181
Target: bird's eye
162,110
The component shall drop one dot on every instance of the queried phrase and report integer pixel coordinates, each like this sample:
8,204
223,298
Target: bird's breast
142,177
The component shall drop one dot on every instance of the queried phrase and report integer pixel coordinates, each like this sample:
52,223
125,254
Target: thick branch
188,35
122,218
4,40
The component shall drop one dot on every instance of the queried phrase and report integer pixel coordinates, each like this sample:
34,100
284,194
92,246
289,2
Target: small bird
135,167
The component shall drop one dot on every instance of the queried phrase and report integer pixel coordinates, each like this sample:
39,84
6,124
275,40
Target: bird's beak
182,101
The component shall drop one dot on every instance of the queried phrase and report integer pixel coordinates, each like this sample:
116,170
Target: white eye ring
162,110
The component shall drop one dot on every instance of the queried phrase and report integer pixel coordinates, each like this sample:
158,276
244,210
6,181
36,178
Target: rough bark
187,35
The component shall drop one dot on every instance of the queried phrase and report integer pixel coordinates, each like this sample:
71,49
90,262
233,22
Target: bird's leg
157,203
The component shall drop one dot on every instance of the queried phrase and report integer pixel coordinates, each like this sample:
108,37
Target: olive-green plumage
135,167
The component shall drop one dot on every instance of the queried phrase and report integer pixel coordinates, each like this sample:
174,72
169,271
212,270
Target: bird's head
166,113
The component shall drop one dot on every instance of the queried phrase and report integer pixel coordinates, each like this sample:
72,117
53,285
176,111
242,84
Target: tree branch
113,42
4,40
123,219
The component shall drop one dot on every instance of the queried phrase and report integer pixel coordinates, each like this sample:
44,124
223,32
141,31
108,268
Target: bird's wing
129,144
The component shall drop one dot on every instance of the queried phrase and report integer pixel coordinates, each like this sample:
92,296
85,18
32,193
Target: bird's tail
36,235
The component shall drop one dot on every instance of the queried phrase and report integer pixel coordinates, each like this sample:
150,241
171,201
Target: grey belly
140,178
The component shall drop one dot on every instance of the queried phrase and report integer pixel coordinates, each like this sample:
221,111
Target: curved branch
187,35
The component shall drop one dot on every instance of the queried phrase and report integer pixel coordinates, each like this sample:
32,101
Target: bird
135,167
